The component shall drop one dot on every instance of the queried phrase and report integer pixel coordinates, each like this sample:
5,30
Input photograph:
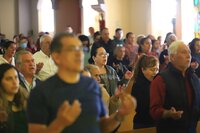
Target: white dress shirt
49,68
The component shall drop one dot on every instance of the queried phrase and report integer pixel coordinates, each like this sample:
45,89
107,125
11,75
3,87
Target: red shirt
157,95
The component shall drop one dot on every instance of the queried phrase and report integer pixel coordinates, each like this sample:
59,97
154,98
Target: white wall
90,17
34,17
24,16
130,15
8,17
18,16
125,14
140,15
117,15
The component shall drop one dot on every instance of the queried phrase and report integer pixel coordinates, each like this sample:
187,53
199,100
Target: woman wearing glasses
108,75
145,70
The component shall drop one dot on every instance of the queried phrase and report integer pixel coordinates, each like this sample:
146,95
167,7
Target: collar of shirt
26,83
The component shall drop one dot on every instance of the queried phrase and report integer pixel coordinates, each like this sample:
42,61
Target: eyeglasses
104,54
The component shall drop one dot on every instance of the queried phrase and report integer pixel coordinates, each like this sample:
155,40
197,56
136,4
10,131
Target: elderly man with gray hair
45,65
26,66
175,93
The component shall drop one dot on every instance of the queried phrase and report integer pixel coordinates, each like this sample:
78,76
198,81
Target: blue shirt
46,98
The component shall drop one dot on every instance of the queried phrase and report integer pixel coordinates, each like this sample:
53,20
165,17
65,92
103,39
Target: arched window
45,16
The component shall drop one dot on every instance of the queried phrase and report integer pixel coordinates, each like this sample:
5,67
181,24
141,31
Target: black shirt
141,91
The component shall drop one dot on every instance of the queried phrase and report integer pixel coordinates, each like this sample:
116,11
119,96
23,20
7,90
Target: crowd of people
76,83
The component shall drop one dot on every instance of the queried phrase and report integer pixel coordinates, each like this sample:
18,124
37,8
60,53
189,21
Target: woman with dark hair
12,101
155,48
166,37
86,47
108,75
145,70
9,49
145,46
194,46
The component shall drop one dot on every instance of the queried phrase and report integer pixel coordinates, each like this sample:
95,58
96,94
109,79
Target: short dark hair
128,34
96,34
94,52
56,45
143,40
118,29
192,45
169,33
7,44
142,43
84,38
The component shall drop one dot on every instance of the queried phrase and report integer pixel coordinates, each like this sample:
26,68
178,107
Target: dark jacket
196,57
141,91
176,96
119,67
16,122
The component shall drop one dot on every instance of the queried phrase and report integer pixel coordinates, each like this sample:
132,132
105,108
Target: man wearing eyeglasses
69,102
